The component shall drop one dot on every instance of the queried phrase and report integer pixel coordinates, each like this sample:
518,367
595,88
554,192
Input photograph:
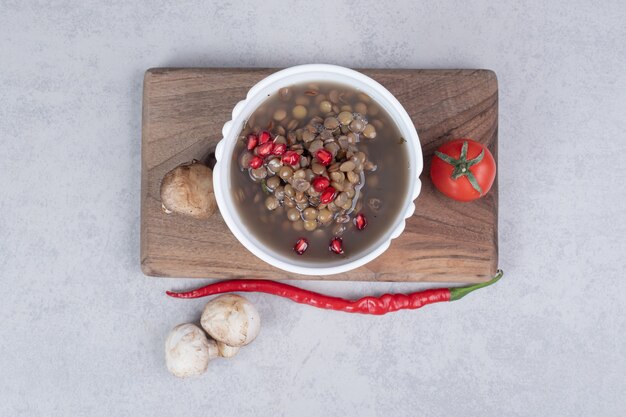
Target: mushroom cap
231,319
188,350
188,190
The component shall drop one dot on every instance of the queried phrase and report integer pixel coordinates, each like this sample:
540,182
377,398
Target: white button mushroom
231,319
227,351
188,350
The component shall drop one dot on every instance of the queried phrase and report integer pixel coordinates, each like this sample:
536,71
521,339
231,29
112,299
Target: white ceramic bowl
242,111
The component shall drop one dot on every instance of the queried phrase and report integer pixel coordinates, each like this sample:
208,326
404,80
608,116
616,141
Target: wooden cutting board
183,114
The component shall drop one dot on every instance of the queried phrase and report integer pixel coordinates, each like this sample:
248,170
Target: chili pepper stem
460,292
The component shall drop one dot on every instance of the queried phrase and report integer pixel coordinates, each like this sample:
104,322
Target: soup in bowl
317,170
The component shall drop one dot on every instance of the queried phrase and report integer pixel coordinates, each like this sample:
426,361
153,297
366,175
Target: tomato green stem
460,292
461,166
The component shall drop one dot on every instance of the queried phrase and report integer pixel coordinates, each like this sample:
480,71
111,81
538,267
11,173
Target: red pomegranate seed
324,157
360,221
264,137
253,140
328,195
301,246
336,245
291,158
256,162
265,149
279,149
320,183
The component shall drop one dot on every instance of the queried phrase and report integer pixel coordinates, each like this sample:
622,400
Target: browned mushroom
188,190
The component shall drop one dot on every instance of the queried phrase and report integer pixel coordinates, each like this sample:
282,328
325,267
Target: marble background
82,330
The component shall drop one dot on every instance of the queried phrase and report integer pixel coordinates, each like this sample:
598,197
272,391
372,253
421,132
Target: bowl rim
258,94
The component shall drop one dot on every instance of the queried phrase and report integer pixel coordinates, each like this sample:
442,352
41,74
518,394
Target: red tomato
463,177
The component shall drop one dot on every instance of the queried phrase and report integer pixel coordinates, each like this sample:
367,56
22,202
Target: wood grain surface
183,114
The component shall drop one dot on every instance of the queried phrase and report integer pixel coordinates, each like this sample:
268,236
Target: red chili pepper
367,305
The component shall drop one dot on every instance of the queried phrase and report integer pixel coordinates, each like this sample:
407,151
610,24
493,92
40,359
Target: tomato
463,177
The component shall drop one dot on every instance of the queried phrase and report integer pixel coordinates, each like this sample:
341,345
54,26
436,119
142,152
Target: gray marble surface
82,330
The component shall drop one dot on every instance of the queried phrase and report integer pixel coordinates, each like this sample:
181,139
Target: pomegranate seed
336,245
320,183
265,149
291,158
360,221
324,157
301,246
253,140
328,195
264,137
256,162
279,149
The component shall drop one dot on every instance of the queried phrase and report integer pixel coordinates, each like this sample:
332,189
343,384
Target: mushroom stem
226,351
